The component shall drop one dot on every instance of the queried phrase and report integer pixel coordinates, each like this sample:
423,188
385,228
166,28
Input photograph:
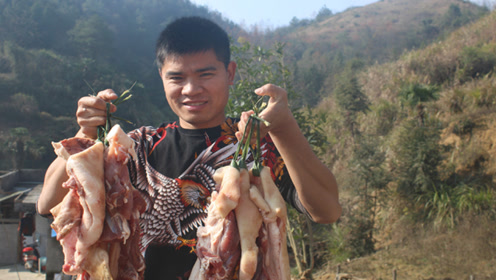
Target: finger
245,116
91,106
270,90
242,130
89,126
243,120
89,112
91,122
246,129
107,95
96,103
239,135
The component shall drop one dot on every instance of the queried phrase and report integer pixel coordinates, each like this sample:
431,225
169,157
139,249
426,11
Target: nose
191,87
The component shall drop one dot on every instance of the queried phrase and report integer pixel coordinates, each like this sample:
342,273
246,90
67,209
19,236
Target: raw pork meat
272,238
258,244
97,223
79,232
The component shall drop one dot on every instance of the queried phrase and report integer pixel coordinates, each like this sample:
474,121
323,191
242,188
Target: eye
206,74
175,78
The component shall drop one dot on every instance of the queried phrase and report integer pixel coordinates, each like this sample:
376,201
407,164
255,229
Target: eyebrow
205,69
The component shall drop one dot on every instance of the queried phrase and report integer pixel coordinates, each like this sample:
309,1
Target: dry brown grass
389,16
435,64
420,253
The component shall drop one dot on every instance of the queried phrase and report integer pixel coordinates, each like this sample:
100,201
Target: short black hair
189,35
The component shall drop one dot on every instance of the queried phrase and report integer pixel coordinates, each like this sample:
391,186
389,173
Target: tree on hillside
368,165
17,23
417,156
455,18
54,18
428,29
349,96
324,13
19,146
313,81
91,37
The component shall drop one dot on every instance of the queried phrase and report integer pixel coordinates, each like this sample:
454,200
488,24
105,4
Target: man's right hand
92,112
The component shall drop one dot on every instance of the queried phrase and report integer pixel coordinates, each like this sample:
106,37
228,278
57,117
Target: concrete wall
43,231
8,244
31,175
9,180
9,238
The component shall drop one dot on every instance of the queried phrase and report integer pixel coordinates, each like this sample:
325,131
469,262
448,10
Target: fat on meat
249,222
124,205
260,217
272,239
97,223
66,223
78,234
218,242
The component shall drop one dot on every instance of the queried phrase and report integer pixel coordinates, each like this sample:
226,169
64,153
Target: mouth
195,104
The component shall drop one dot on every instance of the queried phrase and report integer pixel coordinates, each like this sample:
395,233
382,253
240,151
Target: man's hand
92,112
316,185
277,112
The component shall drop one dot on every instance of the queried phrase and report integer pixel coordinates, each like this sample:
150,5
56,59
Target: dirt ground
18,272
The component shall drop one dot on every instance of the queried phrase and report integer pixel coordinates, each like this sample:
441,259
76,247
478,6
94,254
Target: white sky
277,13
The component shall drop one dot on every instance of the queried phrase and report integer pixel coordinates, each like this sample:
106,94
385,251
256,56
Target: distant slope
378,32
462,66
387,26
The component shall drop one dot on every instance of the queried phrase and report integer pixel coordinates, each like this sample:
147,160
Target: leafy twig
94,92
245,144
104,130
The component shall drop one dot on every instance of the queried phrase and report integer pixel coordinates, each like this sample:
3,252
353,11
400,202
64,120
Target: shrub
415,93
416,157
445,204
483,97
464,126
476,62
474,201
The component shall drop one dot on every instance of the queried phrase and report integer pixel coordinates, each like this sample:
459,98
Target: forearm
53,192
314,182
91,113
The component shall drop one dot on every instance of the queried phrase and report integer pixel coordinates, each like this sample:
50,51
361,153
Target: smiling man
194,86
175,162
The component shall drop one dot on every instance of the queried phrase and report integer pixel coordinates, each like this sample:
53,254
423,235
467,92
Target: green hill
417,167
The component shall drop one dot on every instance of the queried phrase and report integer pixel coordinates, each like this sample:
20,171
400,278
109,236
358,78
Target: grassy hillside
462,68
417,167
388,25
318,50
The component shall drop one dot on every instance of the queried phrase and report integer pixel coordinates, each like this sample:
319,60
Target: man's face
197,88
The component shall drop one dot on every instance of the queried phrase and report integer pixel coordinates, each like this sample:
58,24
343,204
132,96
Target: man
193,58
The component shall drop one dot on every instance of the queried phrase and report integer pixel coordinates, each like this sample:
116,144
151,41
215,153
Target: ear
231,71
